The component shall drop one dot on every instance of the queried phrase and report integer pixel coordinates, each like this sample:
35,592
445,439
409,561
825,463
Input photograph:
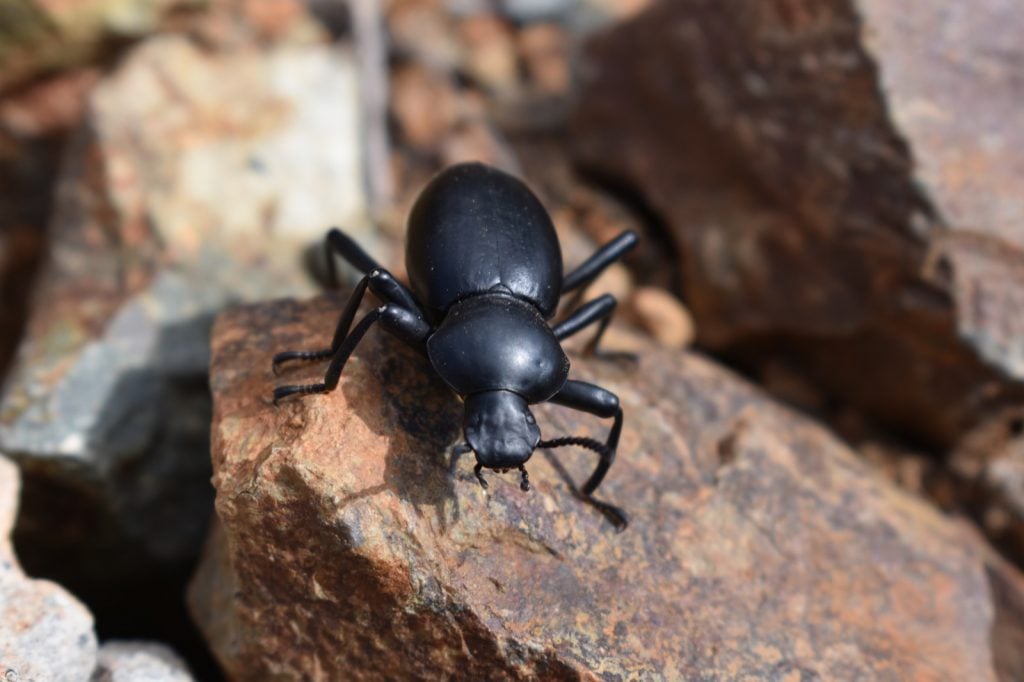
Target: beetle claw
524,481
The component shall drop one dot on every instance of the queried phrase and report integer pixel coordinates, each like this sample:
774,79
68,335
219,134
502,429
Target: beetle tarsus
615,515
282,392
479,471
524,481
303,355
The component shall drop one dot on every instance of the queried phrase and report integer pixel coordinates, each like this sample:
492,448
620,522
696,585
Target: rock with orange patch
760,547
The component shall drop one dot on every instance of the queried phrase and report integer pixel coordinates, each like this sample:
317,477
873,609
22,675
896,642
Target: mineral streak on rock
834,184
759,548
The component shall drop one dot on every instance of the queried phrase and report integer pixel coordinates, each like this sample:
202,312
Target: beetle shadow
421,417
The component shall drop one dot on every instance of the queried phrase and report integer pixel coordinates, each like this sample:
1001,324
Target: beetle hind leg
339,243
579,395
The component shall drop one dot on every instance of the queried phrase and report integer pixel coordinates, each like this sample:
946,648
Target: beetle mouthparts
524,478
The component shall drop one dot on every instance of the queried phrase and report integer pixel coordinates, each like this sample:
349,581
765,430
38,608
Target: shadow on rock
428,414
122,527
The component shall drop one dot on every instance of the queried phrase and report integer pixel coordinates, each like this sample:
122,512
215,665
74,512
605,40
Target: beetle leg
338,242
602,258
340,331
404,324
380,282
579,395
599,310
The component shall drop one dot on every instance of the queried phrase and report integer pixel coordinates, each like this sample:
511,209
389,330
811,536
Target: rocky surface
839,199
199,178
988,467
45,633
139,662
37,36
760,547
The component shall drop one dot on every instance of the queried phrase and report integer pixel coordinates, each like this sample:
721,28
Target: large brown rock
760,547
842,181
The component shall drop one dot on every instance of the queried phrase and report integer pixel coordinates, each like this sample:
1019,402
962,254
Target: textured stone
759,547
424,103
139,662
200,177
39,36
988,465
45,633
839,198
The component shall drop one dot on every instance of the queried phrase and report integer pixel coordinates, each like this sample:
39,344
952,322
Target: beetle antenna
588,443
524,482
478,470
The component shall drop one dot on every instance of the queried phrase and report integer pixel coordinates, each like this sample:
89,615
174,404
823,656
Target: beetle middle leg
599,310
404,324
379,281
588,271
586,397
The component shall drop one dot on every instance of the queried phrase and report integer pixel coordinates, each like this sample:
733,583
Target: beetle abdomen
475,228
497,342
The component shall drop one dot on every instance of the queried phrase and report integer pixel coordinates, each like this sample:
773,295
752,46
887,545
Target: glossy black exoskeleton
485,270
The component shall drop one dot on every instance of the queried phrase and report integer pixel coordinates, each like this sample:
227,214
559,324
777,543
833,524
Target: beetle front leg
585,397
404,324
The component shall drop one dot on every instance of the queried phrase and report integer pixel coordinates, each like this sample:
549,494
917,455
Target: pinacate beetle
485,269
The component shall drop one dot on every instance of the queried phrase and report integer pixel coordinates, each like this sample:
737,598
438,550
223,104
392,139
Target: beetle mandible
485,269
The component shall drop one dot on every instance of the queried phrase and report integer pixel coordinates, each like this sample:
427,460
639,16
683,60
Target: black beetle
486,273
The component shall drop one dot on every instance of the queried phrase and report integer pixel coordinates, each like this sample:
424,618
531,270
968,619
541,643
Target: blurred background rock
829,194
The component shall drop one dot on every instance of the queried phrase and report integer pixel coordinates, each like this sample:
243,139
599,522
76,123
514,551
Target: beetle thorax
496,342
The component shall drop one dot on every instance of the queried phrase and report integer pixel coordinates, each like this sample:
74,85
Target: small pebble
490,52
544,50
664,316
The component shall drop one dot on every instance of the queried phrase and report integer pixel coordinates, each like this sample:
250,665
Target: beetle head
500,428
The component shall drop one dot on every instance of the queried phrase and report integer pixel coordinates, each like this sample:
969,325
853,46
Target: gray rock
139,662
45,633
200,178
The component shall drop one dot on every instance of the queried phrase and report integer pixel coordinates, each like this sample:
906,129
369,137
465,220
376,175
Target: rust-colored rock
840,197
988,465
760,547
